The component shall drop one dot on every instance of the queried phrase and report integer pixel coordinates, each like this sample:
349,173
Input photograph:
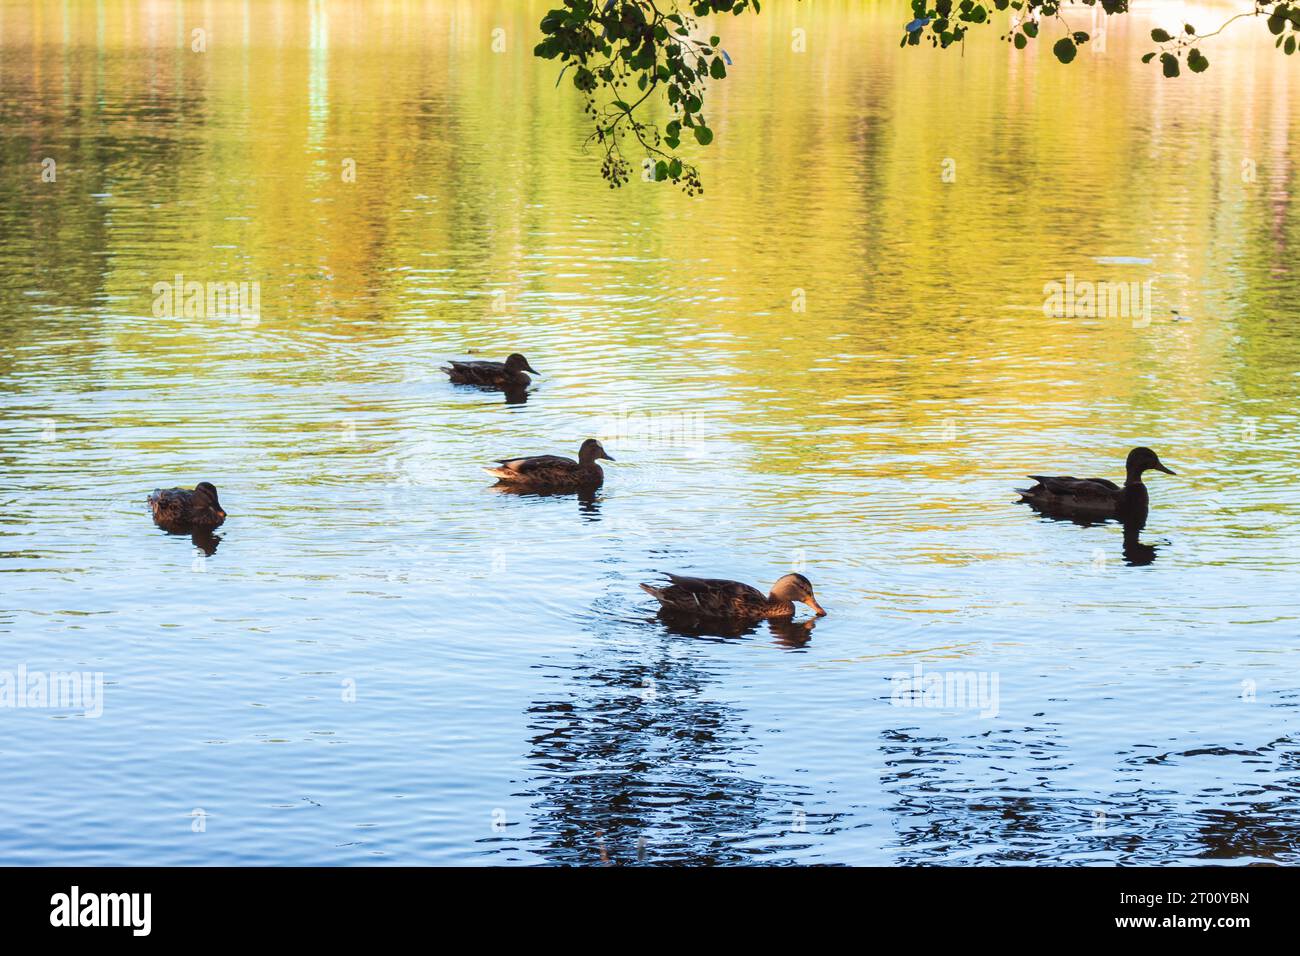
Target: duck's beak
607,456
812,603
529,368
1167,471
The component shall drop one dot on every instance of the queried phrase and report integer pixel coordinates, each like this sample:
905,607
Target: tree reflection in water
946,809
636,761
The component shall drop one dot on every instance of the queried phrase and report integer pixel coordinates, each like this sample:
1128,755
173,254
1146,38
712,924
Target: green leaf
1160,36
675,169
1030,28
661,171
1288,47
1196,61
717,69
1065,49
1148,57
703,135
1170,64
1020,41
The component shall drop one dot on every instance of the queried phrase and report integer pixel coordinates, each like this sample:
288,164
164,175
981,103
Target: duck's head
205,497
1143,459
516,363
796,587
592,451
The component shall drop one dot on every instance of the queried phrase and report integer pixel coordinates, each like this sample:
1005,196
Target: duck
551,472
508,375
180,509
718,598
1097,497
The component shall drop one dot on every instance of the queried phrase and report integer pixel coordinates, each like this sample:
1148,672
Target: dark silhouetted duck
510,375
715,598
552,472
180,510
1096,497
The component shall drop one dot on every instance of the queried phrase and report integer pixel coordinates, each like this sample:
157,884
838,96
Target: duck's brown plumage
554,471
1100,497
512,374
720,598
182,509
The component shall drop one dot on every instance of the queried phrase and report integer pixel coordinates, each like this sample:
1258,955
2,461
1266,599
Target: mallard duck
716,598
179,509
510,374
1098,497
552,471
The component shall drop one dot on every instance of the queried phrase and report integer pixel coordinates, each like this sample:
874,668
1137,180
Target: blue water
386,661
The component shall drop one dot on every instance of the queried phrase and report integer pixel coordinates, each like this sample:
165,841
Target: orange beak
812,603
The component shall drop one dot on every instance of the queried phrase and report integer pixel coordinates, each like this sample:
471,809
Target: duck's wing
475,371
707,596
708,584
537,463
1071,487
539,469
1067,492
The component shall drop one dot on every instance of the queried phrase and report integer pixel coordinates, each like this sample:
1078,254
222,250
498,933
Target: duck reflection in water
1136,552
588,498
786,632
205,541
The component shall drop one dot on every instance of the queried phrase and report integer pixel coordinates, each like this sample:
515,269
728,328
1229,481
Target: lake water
837,359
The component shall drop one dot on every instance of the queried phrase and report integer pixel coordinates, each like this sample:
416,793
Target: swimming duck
552,472
510,374
712,597
178,509
1098,497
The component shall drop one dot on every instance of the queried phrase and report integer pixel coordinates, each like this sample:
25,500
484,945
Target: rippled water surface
837,359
